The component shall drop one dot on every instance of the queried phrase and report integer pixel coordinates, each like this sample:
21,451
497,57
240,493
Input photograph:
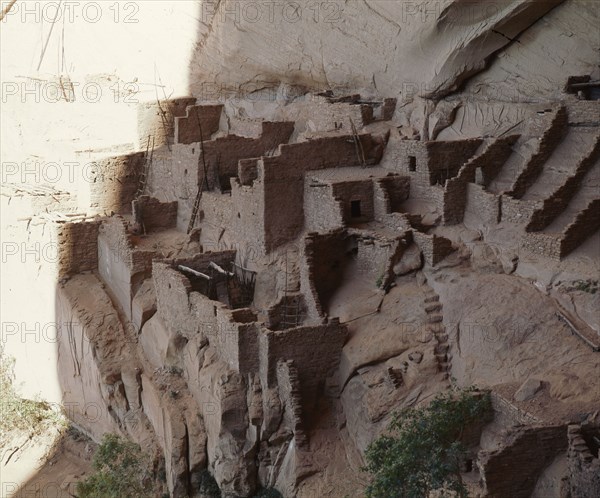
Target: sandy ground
45,465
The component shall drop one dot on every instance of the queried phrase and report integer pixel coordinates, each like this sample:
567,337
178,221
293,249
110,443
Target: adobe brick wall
77,247
446,158
187,130
115,261
526,453
173,302
584,467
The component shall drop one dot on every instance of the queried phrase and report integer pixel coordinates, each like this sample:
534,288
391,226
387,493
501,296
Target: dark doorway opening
412,163
355,210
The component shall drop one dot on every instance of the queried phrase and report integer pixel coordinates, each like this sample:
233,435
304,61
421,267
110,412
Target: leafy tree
208,486
121,471
268,493
423,451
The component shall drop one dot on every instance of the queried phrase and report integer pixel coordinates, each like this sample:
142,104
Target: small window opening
412,163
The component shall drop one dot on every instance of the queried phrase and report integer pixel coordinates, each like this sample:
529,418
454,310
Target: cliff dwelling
246,240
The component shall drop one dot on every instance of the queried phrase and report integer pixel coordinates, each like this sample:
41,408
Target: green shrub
423,451
121,470
268,493
208,486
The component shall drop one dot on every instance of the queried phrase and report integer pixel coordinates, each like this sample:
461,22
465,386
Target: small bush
121,470
423,451
32,416
268,493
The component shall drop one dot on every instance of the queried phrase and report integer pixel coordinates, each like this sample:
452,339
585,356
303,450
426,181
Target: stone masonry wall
434,247
282,178
350,191
559,200
223,154
455,192
187,129
113,184
526,453
155,214
584,112
483,205
321,272
298,344
322,212
77,247
551,136
584,466
586,223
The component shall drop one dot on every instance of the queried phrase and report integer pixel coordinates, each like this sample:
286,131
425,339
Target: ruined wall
395,189
350,191
322,211
249,213
283,180
553,128
288,385
434,247
111,184
156,120
223,154
547,244
155,214
517,210
200,122
298,345
560,198
584,225
325,256
584,112
377,256
490,159
482,206
121,266
526,453
584,466
77,247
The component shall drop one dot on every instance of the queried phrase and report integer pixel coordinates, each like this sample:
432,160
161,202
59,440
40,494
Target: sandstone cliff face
273,395
426,49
